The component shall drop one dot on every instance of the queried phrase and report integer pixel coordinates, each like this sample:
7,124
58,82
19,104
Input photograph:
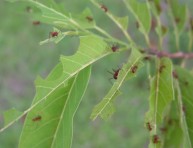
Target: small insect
89,18
37,118
114,48
134,68
155,139
161,68
35,23
115,73
147,58
177,20
104,8
174,74
53,34
149,127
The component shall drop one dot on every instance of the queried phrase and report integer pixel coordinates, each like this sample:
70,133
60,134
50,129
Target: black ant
174,74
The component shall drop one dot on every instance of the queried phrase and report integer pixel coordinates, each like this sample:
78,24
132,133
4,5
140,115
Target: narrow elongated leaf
50,123
161,95
106,107
172,127
142,14
179,13
186,85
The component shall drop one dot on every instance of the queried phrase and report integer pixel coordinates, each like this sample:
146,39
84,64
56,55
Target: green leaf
106,107
10,115
123,21
172,127
161,94
91,49
185,79
142,14
49,124
179,14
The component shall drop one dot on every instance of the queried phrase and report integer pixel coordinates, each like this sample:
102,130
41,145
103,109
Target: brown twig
176,55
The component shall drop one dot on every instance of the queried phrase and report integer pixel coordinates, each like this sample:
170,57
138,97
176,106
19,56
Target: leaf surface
186,86
106,107
49,124
161,95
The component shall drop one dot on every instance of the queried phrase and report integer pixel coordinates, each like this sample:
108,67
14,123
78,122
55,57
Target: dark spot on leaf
158,7
137,24
186,83
164,29
177,20
163,129
161,68
36,23
147,58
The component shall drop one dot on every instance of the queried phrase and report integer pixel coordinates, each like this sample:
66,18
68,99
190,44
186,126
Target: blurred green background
22,59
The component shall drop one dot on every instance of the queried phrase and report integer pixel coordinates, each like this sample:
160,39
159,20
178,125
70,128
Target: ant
134,69
53,34
161,68
114,48
104,8
155,139
149,127
174,74
35,23
115,73
37,118
89,18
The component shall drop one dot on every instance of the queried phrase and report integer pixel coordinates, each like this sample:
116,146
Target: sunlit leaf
161,94
106,107
141,12
50,123
186,86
